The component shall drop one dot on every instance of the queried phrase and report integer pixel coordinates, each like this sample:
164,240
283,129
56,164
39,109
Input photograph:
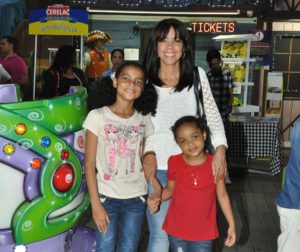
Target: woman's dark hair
64,58
105,93
152,62
198,121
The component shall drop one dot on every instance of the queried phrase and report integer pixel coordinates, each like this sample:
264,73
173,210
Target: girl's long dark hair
152,63
105,93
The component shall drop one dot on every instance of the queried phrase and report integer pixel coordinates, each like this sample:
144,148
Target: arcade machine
43,193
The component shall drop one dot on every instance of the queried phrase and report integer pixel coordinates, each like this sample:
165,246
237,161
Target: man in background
12,62
117,58
221,83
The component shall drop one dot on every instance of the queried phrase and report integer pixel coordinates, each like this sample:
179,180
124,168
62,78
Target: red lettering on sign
219,27
213,27
206,27
194,26
225,26
200,27
231,27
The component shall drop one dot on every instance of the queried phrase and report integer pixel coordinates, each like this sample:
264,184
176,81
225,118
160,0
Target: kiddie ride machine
43,193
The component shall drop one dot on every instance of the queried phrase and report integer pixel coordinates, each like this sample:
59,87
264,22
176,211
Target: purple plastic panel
82,240
21,160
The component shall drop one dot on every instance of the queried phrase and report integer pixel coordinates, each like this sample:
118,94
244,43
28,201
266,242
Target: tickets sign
213,27
58,19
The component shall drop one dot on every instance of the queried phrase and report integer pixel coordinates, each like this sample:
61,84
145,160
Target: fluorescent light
172,13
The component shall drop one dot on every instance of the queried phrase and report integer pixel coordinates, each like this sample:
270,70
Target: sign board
274,94
131,54
213,27
58,19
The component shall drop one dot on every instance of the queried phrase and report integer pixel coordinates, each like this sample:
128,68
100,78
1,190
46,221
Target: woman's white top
173,105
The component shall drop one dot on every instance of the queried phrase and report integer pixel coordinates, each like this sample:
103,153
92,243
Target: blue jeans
158,239
179,245
126,220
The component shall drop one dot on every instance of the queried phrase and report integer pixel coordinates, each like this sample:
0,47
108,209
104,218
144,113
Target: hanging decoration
176,3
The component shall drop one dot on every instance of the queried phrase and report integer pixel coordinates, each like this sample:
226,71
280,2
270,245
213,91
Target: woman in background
62,74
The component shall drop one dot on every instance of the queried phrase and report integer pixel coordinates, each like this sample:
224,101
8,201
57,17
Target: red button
63,178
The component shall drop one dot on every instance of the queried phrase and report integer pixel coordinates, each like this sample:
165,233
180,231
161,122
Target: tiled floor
252,197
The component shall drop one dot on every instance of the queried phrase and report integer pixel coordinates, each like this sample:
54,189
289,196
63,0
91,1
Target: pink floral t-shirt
120,144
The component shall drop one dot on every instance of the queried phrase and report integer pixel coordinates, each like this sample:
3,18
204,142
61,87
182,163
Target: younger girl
114,142
191,218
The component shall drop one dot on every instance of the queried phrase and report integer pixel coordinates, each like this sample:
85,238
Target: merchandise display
237,70
235,51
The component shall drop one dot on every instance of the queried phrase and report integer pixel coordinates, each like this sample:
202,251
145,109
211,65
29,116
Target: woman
62,74
117,58
168,61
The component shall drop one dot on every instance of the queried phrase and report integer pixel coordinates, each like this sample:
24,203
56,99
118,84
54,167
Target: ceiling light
173,13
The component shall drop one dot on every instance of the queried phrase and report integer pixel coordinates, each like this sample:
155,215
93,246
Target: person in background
12,62
221,84
62,74
115,136
4,76
168,62
288,198
96,59
117,58
191,221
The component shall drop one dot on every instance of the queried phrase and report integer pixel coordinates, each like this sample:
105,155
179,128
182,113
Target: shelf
236,37
235,49
246,109
244,83
237,60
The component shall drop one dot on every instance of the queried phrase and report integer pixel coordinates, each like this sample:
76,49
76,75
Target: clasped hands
154,199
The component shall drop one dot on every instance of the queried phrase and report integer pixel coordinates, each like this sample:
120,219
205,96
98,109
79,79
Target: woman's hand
219,165
100,217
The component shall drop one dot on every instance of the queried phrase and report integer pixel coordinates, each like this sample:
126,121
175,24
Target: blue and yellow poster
58,19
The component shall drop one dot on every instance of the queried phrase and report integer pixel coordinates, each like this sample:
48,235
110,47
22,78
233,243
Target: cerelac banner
58,19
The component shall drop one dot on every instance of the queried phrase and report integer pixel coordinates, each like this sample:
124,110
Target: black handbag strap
198,93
